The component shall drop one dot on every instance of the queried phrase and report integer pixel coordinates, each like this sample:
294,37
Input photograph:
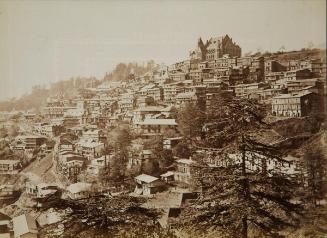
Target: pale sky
47,41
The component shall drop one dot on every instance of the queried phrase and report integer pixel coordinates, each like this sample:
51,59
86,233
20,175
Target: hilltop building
215,48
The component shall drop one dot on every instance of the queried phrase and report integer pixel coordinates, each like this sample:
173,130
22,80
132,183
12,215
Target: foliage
170,133
70,87
119,138
173,113
3,132
315,167
39,94
166,158
229,117
190,121
115,172
101,216
122,71
13,131
237,197
230,199
8,154
296,126
182,150
151,167
118,142
163,158
5,151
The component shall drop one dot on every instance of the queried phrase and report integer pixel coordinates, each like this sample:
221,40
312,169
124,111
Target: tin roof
146,178
78,187
24,224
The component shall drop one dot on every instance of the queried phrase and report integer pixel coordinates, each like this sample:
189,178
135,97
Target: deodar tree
315,164
114,172
190,121
245,195
121,216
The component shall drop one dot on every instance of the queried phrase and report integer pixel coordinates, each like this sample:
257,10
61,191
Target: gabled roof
24,224
146,178
185,161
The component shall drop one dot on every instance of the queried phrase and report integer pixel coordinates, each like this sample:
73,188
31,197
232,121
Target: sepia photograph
163,119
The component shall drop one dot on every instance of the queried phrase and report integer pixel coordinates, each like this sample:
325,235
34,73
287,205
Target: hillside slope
302,54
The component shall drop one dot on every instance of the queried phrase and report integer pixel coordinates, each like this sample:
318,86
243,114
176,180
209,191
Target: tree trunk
244,227
245,190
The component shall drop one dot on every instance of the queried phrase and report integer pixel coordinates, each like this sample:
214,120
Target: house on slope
147,184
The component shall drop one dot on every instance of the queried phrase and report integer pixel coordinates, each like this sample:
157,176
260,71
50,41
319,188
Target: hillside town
162,136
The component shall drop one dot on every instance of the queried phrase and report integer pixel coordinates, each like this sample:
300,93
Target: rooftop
150,121
31,136
149,108
78,187
167,174
8,161
303,80
146,178
173,138
24,224
147,152
185,161
185,95
292,95
90,144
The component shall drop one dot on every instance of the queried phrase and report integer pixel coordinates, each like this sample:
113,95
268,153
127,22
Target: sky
46,41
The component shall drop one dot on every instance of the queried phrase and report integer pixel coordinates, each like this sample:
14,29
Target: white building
78,190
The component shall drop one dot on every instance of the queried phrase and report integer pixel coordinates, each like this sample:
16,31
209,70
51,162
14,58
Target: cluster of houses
148,103
81,150
25,145
25,225
292,87
74,129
